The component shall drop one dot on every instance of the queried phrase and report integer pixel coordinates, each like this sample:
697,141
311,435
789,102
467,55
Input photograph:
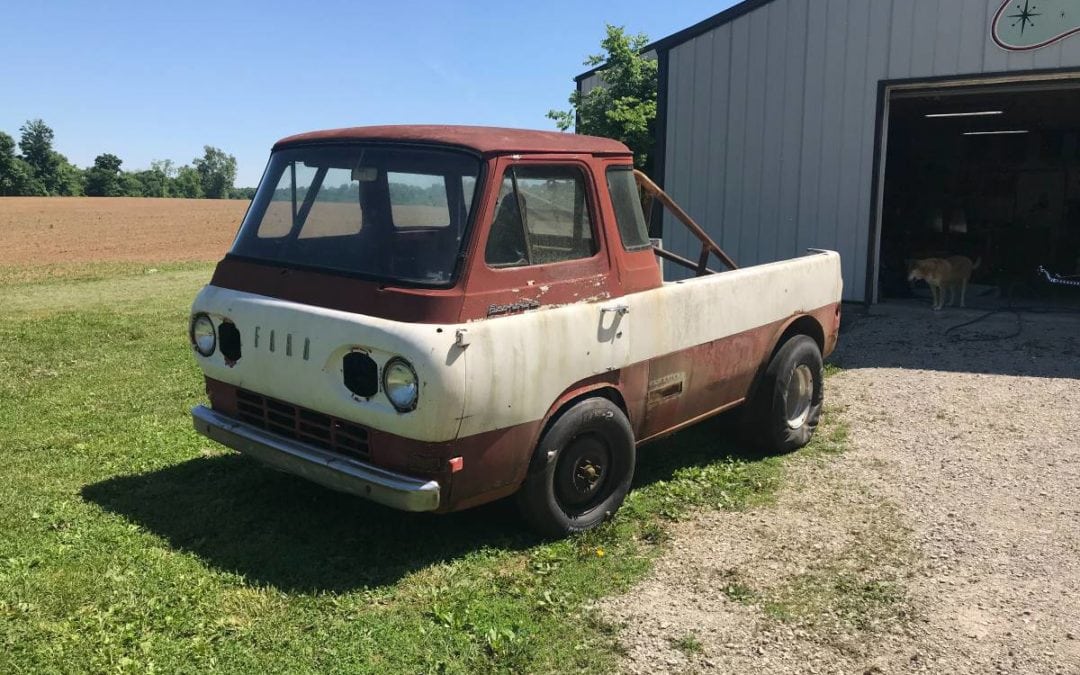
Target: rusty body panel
664,380
660,396
341,292
485,141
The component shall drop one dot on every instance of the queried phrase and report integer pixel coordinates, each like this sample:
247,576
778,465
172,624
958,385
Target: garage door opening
991,173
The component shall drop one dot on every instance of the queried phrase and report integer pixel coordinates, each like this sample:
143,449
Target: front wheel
785,409
581,471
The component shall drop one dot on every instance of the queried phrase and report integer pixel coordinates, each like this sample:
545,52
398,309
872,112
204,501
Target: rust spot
665,387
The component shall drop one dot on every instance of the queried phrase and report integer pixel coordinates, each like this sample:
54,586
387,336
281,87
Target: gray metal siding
589,83
771,117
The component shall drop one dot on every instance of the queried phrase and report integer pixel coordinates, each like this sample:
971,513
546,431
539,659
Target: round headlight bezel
195,321
389,369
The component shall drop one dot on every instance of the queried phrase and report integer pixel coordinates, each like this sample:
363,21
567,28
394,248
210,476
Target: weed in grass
833,595
831,438
688,644
735,589
859,588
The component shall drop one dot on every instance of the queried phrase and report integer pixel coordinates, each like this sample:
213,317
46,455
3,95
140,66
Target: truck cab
434,317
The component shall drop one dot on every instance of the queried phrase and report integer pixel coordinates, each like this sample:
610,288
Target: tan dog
944,275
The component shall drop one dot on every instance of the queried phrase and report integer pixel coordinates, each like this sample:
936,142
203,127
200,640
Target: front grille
301,424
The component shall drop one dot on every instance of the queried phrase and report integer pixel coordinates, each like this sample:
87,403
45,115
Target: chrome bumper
333,471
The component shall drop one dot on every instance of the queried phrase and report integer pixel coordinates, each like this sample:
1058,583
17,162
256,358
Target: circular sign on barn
1022,25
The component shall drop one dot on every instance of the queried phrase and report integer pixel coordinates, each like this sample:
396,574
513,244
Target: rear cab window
626,202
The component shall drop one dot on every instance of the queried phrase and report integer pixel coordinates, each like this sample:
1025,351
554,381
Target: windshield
396,213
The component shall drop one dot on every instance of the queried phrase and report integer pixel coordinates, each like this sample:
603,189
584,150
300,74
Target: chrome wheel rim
800,391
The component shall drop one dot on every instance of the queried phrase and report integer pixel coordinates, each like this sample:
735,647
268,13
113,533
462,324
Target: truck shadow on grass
283,531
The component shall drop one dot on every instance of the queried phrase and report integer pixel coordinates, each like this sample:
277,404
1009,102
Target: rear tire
581,471
784,411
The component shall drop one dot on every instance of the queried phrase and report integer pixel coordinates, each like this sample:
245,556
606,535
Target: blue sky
149,80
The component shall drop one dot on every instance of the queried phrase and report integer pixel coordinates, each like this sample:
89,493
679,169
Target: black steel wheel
581,471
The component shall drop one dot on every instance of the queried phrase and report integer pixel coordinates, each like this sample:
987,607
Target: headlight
203,336
399,383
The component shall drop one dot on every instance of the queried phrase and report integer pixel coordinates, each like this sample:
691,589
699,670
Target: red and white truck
434,317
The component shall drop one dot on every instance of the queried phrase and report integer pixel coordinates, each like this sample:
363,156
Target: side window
418,200
626,201
542,216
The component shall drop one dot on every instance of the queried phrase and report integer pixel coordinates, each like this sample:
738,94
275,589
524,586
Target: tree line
39,170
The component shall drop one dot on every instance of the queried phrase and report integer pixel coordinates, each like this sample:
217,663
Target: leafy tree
154,182
624,106
188,183
68,178
130,185
103,179
165,167
217,172
243,193
15,174
35,144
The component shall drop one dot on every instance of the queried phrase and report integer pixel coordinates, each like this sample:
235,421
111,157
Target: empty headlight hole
361,374
229,337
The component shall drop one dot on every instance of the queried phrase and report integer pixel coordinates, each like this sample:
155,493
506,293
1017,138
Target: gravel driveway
945,539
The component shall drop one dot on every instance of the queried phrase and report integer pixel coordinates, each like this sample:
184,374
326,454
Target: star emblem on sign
1026,15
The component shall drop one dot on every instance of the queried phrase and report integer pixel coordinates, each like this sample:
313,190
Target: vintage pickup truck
434,317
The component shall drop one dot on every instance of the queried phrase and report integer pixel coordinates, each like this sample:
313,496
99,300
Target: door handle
616,309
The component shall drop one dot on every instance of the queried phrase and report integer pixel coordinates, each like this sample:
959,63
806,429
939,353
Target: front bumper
317,465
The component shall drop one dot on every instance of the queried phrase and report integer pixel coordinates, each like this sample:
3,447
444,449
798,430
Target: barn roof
485,140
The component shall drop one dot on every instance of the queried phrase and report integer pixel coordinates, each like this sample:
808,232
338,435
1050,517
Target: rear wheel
786,407
581,471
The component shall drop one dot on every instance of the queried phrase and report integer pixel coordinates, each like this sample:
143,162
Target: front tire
785,409
581,471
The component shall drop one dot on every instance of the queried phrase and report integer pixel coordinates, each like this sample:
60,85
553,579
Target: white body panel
514,367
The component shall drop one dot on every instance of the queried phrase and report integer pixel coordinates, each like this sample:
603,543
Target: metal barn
885,129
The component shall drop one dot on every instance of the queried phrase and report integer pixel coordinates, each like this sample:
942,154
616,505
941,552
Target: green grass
688,644
13,276
129,543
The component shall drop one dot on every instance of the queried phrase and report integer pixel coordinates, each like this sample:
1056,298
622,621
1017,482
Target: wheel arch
803,324
800,324
573,395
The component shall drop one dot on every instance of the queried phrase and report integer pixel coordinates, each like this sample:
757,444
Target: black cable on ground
990,338
1018,312
1041,273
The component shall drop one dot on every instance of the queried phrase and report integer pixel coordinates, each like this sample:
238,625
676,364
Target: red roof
485,140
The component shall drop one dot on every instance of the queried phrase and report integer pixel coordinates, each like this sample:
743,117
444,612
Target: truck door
540,243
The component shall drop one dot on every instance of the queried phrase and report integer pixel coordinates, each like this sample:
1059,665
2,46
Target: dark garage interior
992,174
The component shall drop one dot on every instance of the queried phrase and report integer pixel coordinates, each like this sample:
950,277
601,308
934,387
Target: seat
506,245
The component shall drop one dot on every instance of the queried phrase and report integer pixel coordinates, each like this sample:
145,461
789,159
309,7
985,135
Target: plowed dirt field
46,230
